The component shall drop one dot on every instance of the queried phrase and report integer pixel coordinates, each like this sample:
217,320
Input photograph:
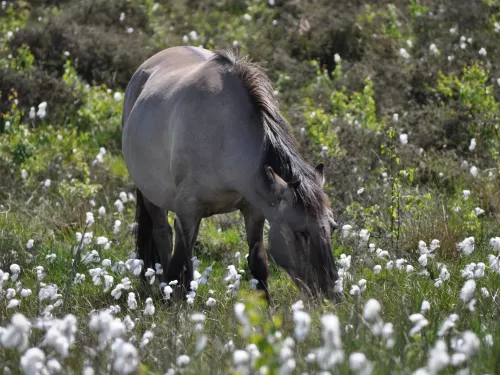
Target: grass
400,293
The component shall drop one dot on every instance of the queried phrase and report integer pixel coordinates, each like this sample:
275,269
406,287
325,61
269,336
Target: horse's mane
280,151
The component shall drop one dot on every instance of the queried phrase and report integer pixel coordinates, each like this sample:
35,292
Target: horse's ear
320,174
277,184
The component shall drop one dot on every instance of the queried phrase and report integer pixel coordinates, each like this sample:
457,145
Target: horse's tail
145,244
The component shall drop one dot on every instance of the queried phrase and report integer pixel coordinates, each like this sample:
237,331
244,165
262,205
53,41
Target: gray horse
203,135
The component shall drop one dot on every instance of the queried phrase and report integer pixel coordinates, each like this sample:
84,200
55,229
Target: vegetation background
399,99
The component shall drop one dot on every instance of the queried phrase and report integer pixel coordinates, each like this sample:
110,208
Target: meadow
399,99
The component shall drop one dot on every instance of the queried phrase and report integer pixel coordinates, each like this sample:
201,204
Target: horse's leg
181,267
257,257
162,234
154,234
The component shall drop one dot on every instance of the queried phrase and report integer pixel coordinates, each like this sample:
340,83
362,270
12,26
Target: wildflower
119,205
404,54
426,306
474,171
125,357
159,269
302,322
434,50
61,334
346,229
151,274
448,324
102,240
29,245
479,271
47,292
466,194
118,96
400,263
423,260
150,308
345,261
146,338
116,227
409,268
485,292
371,310
16,334
468,343
102,211
444,274
438,357
131,301
419,323
331,353
495,243
338,286
231,275
488,339
89,219
472,145
108,282
107,326
206,273
135,265
466,246
190,297
359,364
478,211
247,17
167,291
117,292
15,270
194,285
364,235
193,35
382,253
33,362
468,290
32,113
355,291
389,265
26,292
494,263
482,51
241,361
362,285
183,360
13,303
210,302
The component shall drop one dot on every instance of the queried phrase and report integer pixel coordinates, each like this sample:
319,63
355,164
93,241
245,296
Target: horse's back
183,126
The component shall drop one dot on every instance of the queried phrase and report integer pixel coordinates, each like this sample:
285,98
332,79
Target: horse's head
300,237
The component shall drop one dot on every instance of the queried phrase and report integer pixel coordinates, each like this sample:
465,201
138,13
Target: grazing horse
203,135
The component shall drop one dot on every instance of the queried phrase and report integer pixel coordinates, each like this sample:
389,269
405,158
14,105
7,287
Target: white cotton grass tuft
16,334
468,290
466,246
150,308
331,352
125,357
359,364
404,54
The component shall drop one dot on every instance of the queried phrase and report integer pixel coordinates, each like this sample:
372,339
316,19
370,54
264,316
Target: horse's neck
260,197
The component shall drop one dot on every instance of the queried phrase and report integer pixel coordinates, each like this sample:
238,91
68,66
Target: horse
203,135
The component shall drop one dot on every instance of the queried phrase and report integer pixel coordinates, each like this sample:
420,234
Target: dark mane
280,151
